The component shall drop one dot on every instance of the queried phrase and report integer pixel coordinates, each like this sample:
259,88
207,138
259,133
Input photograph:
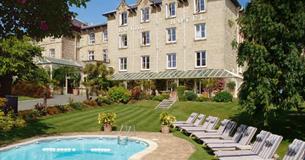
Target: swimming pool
78,148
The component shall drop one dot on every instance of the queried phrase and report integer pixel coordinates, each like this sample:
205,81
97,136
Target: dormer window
145,14
123,18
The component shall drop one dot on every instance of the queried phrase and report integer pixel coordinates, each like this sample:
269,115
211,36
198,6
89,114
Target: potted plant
166,121
106,119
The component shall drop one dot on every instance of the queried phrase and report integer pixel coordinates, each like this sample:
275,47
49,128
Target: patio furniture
205,126
226,133
197,122
252,149
189,120
267,152
245,139
296,151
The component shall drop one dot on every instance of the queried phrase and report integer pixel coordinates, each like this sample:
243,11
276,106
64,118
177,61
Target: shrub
9,121
31,89
64,108
28,115
136,93
165,95
90,102
190,96
158,98
119,94
52,110
106,118
2,102
167,119
102,100
41,109
77,105
223,97
231,85
202,99
180,92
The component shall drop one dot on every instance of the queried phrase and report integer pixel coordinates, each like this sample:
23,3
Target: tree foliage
274,39
59,75
37,18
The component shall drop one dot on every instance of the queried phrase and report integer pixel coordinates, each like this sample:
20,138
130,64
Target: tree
36,19
97,77
16,59
60,74
274,39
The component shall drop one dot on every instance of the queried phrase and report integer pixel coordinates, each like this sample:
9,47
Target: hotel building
165,40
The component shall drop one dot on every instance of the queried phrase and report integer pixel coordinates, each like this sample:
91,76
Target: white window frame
145,14
91,38
201,52
172,63
105,36
52,52
91,56
170,37
145,62
204,31
123,67
124,21
169,11
197,8
122,41
145,38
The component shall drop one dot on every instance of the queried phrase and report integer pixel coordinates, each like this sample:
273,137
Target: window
91,38
171,61
52,52
171,10
105,56
201,59
123,41
145,15
171,35
199,6
105,36
200,30
145,38
123,18
91,55
145,62
123,64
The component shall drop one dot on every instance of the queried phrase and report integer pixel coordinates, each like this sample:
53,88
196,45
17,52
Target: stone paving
169,147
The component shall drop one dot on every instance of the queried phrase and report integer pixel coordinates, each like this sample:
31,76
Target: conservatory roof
50,60
175,74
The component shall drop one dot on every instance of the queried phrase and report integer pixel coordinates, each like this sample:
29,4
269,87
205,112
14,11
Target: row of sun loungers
238,146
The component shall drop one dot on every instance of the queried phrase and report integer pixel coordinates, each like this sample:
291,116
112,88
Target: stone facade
219,18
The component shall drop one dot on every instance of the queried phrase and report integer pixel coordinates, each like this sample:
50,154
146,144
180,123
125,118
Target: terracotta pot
165,129
75,91
107,128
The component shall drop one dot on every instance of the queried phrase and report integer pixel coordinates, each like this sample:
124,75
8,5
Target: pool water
106,148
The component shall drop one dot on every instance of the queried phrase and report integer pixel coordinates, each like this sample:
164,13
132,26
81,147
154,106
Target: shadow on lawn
289,124
32,129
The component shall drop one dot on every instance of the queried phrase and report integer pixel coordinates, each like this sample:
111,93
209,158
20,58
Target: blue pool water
106,148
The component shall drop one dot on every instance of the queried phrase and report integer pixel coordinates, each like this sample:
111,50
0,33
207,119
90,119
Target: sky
92,14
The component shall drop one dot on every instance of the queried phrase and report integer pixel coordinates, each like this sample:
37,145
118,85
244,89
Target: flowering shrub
106,118
24,88
9,121
2,102
136,93
167,119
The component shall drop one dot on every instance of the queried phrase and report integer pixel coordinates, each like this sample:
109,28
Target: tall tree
36,19
274,39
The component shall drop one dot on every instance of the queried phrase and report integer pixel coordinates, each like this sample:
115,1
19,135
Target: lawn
25,98
146,118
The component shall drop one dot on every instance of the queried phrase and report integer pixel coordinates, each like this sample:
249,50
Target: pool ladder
123,135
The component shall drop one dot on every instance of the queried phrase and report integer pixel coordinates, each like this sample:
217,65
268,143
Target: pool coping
138,156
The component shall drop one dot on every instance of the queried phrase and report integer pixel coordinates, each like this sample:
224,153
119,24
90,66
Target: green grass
24,98
146,118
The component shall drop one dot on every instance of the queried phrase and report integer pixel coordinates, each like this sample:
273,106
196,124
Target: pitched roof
64,62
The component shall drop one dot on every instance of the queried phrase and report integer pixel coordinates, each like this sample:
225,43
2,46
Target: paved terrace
169,146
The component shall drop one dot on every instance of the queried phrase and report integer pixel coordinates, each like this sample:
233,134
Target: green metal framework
174,74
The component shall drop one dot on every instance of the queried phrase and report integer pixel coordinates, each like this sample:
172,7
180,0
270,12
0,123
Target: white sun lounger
197,122
209,124
245,140
235,138
296,151
252,149
267,152
189,120
226,133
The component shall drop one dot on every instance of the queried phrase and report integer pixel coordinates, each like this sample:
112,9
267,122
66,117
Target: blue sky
92,14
